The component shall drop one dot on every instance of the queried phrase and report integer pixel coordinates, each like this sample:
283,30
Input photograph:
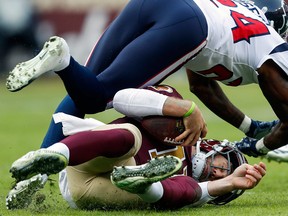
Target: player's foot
35,162
21,195
259,129
137,179
279,155
53,57
248,146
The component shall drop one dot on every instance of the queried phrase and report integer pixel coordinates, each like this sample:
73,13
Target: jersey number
247,27
221,73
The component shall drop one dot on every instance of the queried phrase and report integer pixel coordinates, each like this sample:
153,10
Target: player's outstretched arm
211,94
244,177
273,82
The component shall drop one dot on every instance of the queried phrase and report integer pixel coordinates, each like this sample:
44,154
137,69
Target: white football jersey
238,42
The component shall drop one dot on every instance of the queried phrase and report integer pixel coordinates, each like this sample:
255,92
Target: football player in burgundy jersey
215,40
206,173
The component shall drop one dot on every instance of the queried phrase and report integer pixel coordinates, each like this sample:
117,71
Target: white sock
245,125
63,64
153,194
64,56
261,147
60,148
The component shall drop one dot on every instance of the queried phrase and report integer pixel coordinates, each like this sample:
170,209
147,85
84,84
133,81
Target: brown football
164,129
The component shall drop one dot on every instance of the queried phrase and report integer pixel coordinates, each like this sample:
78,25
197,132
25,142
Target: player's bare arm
274,85
211,94
244,177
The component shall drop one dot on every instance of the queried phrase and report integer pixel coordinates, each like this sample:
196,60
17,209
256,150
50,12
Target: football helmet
276,13
203,164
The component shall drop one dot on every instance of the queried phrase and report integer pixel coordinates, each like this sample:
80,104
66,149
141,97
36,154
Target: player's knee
91,105
136,133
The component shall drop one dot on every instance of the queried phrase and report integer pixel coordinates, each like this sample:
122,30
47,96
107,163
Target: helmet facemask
203,164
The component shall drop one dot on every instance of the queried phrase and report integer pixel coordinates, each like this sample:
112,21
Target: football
164,129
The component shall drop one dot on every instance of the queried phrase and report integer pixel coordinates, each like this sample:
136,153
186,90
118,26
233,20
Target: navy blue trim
280,48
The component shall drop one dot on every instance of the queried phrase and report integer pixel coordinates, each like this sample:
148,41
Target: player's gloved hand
259,129
248,146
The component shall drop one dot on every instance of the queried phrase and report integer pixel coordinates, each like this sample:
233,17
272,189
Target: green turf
25,115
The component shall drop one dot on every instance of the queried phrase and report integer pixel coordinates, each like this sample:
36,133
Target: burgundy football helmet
202,164
276,12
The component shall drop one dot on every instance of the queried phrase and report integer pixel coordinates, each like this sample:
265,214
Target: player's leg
152,184
89,183
150,49
96,151
95,191
110,141
101,56
159,48
144,60
272,81
54,133
55,55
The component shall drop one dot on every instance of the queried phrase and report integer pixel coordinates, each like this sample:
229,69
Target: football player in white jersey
215,40
269,71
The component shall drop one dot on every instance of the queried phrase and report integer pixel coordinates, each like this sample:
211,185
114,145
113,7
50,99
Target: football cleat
53,57
137,179
279,155
42,161
21,195
248,146
259,129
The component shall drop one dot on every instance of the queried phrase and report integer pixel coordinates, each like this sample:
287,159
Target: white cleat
279,155
21,195
39,161
53,57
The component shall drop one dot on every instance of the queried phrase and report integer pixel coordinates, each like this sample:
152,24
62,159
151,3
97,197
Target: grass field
25,115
